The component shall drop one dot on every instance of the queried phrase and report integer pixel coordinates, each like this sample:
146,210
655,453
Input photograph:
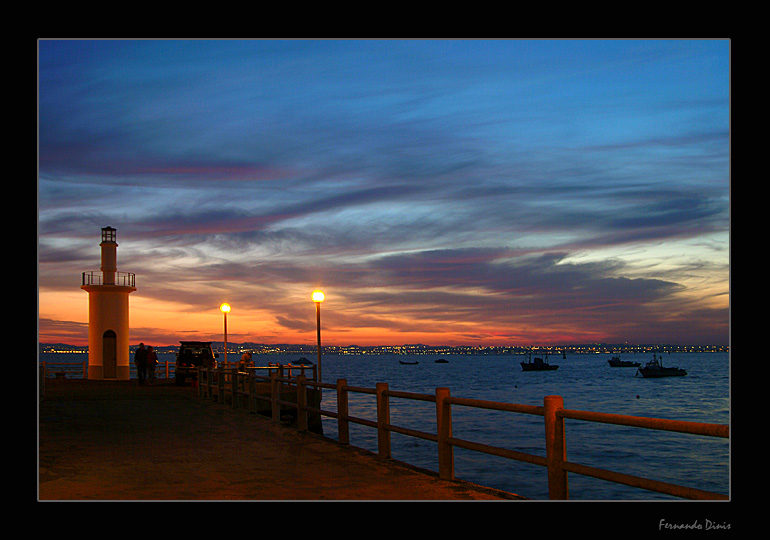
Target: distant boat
407,363
442,361
537,364
653,370
617,362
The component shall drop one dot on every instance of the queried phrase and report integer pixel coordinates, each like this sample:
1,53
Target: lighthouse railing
123,279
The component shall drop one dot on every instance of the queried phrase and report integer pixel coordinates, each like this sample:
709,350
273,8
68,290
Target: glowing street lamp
225,309
318,297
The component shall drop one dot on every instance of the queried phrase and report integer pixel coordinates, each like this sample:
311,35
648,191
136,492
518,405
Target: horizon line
420,345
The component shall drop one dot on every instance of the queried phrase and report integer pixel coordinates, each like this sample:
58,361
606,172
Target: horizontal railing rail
693,428
241,384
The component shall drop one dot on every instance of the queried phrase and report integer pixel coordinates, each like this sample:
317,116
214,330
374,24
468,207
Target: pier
120,440
115,440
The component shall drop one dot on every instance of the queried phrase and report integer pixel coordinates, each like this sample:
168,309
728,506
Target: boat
537,364
615,361
442,361
407,363
654,369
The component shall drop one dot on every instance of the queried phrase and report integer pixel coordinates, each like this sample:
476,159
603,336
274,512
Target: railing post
221,384
234,383
446,460
343,426
301,403
274,394
383,421
555,448
252,390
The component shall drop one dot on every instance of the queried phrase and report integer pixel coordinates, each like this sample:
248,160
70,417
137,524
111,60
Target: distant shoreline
260,348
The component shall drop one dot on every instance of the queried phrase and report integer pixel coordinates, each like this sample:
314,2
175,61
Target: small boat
537,364
442,361
407,363
615,361
654,369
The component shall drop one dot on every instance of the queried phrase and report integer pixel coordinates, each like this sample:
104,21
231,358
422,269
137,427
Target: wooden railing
240,385
163,370
64,369
231,384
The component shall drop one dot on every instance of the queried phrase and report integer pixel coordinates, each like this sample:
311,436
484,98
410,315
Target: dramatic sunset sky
442,192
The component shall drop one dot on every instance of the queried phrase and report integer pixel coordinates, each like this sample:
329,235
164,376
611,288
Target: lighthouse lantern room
108,356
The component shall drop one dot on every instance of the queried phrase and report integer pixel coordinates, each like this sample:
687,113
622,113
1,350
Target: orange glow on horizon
63,318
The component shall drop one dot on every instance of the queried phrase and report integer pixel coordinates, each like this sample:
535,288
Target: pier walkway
115,440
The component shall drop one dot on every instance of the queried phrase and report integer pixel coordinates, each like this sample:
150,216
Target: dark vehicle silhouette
191,356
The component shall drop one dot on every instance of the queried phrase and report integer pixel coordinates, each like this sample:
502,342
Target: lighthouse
108,357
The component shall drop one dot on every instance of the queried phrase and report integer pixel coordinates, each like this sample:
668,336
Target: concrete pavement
115,440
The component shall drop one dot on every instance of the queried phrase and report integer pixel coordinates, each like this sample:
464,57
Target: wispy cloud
466,187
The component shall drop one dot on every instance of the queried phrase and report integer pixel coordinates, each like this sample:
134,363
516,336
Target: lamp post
318,297
225,309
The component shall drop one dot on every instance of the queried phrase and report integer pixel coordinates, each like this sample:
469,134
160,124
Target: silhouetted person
140,360
152,361
245,361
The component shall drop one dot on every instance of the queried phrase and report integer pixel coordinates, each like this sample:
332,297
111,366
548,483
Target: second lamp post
318,297
225,309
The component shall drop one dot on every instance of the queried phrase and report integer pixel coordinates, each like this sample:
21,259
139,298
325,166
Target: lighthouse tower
108,356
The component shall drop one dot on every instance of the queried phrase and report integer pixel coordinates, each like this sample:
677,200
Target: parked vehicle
191,355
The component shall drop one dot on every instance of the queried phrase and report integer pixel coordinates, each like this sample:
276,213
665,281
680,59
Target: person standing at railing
152,361
140,360
245,361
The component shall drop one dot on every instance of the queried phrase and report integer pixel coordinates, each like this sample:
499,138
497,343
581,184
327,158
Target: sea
585,381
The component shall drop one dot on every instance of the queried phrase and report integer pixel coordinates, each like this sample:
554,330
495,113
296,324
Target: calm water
586,382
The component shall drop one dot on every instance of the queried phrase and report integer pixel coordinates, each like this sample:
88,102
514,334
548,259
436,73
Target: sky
444,192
